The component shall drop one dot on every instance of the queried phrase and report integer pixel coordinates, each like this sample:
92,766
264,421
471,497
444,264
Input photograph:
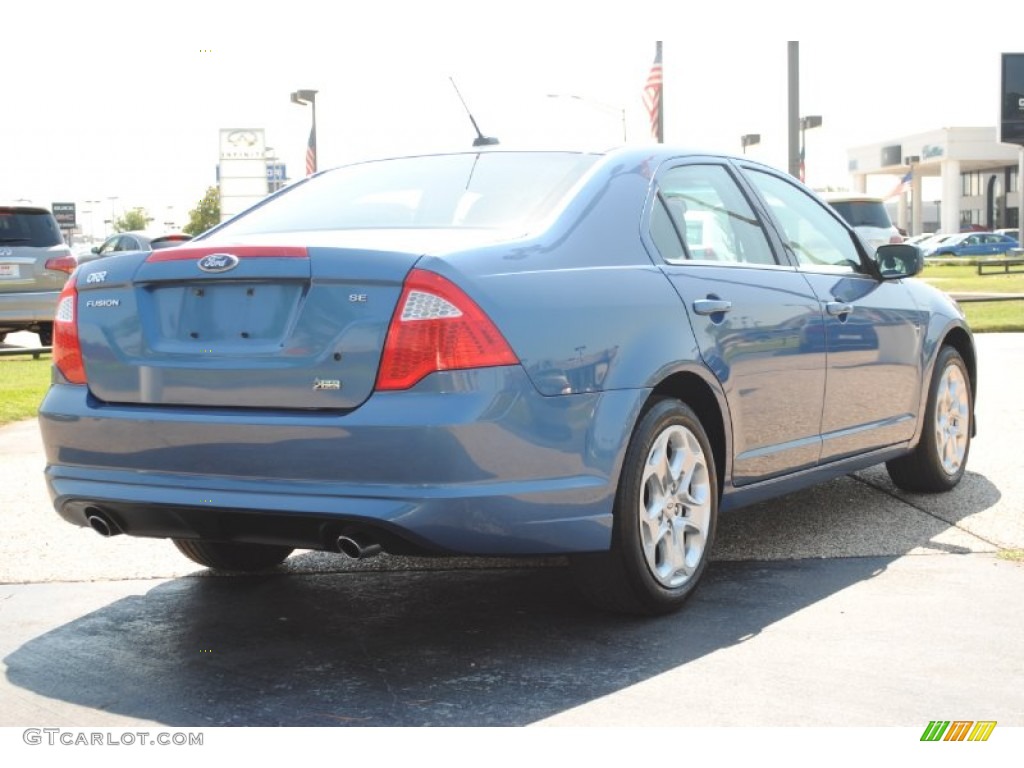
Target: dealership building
980,178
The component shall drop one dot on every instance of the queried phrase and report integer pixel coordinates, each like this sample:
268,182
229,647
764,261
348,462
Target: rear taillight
62,264
67,352
437,327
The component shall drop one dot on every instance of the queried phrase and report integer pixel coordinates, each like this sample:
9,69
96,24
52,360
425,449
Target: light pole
113,220
609,108
914,225
308,97
811,121
749,140
92,217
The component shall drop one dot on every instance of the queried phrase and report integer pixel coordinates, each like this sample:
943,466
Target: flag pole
653,101
661,97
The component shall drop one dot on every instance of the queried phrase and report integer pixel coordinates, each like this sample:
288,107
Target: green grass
983,316
963,278
23,382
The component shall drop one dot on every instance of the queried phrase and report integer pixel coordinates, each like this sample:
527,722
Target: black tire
938,461
46,335
649,569
232,556
3,338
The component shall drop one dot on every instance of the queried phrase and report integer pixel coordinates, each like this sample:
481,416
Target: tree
132,221
206,214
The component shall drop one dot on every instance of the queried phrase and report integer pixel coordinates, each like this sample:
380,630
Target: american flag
311,152
653,97
901,186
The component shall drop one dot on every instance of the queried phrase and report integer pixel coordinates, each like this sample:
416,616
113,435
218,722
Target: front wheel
940,458
665,513
232,556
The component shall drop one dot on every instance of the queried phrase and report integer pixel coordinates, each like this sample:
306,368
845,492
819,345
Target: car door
873,329
752,317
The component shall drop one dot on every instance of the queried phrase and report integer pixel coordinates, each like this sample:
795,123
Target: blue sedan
501,353
973,244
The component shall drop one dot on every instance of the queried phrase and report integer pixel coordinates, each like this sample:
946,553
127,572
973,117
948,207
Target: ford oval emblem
218,262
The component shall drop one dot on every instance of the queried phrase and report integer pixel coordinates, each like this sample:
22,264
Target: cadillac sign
1011,108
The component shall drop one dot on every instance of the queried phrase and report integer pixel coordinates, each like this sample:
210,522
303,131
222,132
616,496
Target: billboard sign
1011,108
64,213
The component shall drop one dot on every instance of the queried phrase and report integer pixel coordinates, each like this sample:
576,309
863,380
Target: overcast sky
106,98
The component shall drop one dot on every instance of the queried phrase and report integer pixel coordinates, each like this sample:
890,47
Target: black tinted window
863,213
33,228
490,189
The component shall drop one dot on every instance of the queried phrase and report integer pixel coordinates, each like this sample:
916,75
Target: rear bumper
471,462
22,310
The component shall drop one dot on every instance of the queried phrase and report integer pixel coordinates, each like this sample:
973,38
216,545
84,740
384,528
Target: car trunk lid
258,326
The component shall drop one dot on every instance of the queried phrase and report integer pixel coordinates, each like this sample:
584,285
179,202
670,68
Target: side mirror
95,249
898,260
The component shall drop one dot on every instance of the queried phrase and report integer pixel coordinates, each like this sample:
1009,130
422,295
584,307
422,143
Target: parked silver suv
34,264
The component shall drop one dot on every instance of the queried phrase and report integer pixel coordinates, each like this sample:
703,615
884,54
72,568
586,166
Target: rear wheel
232,556
940,458
664,520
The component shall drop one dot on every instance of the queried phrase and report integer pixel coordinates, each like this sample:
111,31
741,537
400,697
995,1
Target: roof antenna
480,140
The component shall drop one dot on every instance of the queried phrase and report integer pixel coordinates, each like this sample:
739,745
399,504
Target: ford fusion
501,353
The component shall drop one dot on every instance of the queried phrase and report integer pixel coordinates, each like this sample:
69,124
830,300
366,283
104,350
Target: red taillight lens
437,327
67,352
62,264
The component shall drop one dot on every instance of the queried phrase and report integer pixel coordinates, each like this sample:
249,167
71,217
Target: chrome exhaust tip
102,524
357,547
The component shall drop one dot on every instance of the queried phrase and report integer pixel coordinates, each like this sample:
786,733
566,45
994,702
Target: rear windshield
491,190
37,229
863,213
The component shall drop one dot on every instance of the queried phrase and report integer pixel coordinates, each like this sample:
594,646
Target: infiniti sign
218,262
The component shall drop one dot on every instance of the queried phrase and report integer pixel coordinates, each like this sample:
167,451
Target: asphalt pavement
849,604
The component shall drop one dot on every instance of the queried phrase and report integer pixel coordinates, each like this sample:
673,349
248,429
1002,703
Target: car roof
852,197
23,208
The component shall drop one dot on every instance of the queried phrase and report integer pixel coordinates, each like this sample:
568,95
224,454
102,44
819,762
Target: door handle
711,306
838,308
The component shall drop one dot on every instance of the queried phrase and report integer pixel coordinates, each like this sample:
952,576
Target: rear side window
863,213
35,228
501,190
711,215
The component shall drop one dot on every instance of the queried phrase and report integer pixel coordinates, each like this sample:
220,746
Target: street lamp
749,140
92,217
914,226
113,219
308,97
609,108
811,121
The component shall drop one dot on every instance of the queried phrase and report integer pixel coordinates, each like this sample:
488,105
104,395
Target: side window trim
865,268
756,219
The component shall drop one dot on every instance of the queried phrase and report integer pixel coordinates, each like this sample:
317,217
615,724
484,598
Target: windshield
490,189
35,228
863,213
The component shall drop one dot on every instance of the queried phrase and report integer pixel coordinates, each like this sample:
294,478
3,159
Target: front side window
709,213
813,235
